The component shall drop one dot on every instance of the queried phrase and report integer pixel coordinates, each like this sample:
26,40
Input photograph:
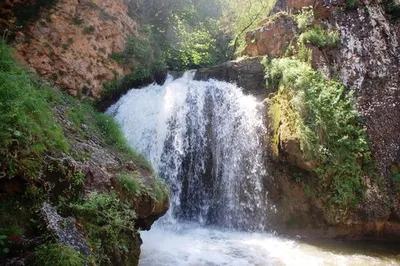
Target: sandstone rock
272,38
72,43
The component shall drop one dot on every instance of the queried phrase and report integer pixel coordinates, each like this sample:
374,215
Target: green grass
319,37
87,121
28,128
305,18
323,118
109,223
58,254
160,190
130,183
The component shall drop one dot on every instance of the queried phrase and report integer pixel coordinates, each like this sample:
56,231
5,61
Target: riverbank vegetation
49,144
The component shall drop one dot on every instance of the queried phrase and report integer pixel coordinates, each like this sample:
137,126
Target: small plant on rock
58,254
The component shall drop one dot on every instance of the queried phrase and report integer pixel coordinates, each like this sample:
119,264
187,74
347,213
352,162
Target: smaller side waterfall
204,139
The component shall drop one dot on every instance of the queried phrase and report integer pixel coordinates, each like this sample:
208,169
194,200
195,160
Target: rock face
91,166
367,62
272,38
72,42
247,74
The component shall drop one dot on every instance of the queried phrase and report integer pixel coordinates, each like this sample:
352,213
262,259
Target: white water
203,138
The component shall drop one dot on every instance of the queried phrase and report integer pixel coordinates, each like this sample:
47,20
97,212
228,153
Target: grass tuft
58,254
319,37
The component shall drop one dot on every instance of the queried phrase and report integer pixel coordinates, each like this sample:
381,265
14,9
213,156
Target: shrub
58,254
28,128
329,128
78,21
320,37
88,30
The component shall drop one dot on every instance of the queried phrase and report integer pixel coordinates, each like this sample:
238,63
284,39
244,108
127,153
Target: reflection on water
191,245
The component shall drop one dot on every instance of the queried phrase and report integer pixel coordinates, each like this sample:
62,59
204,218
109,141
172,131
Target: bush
320,37
88,30
58,254
329,128
28,128
78,21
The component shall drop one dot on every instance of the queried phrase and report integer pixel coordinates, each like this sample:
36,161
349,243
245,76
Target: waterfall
204,138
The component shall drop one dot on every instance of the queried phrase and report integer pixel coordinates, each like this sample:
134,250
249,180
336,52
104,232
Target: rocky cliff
69,42
72,192
347,42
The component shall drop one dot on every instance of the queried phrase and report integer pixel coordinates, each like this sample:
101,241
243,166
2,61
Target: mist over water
204,138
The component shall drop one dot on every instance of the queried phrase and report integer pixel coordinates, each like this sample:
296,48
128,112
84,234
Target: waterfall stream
205,139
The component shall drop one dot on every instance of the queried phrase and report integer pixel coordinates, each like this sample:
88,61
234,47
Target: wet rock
247,74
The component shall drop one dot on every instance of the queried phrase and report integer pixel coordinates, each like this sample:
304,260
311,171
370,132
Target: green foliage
89,29
193,34
58,254
78,21
319,37
328,126
3,244
393,8
140,55
160,191
395,171
28,128
130,184
109,223
305,18
239,17
352,4
78,179
87,120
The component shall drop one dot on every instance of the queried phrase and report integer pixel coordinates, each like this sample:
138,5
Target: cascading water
205,139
